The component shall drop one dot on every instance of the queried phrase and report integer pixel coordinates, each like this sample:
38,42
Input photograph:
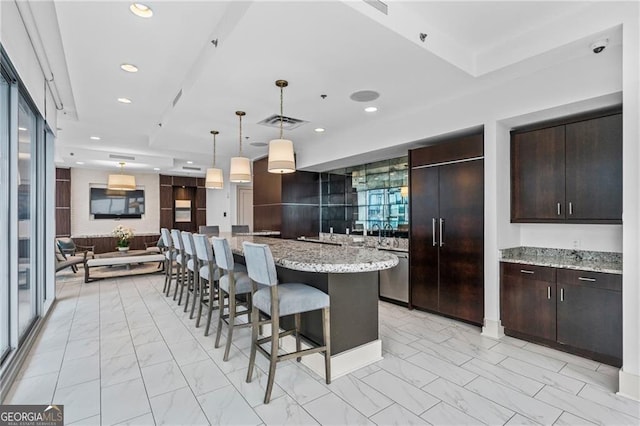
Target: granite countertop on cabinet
596,261
322,258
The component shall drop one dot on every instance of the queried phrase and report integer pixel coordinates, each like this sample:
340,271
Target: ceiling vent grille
288,123
195,169
377,4
122,157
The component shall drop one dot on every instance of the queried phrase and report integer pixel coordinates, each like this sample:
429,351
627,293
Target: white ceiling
331,48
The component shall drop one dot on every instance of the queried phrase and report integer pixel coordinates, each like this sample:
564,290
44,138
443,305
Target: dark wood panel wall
63,202
108,244
287,203
174,188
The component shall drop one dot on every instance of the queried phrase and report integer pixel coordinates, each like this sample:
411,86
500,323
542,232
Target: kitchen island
349,275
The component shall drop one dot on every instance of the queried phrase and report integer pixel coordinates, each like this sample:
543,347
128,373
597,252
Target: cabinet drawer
533,272
590,279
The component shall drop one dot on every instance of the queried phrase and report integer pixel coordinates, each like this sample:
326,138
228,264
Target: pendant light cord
214,150
281,116
240,135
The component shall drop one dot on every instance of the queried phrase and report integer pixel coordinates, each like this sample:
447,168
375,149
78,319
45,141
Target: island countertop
310,257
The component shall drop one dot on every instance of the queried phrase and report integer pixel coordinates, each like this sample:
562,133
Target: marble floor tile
146,334
79,370
33,390
608,369
82,348
226,406
143,420
568,419
584,408
253,392
470,334
124,401
204,376
519,420
114,329
80,401
410,397
369,369
360,395
187,351
595,378
530,357
543,375
153,353
162,378
41,363
386,330
499,374
442,368
423,332
331,410
563,356
396,415
469,402
284,411
516,401
445,414
112,347
473,350
441,351
298,384
611,400
406,371
119,369
84,330
175,333
396,348
178,407
89,421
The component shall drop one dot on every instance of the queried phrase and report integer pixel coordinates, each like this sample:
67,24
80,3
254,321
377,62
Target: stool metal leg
212,294
326,333
178,280
221,296
196,291
255,318
202,292
297,325
230,326
273,360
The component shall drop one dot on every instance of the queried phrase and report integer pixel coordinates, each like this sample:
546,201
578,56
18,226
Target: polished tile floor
118,352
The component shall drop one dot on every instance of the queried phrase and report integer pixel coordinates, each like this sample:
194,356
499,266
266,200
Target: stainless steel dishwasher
394,282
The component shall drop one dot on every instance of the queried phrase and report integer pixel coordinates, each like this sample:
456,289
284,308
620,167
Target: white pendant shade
281,156
121,182
214,179
240,170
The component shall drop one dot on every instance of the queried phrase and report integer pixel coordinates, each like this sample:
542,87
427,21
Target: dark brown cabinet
568,173
446,235
575,311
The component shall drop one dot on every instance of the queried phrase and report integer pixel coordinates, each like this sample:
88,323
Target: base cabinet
575,311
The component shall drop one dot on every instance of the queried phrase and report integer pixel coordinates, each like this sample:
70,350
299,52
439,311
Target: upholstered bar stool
209,230
209,277
278,300
239,229
232,283
181,261
170,256
193,272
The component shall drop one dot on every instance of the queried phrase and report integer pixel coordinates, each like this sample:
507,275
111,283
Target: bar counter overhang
349,275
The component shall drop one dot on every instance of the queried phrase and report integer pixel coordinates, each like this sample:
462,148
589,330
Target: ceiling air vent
377,4
288,123
122,157
177,98
195,169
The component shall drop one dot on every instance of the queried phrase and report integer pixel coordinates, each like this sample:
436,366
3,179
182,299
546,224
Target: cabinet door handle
526,271
570,208
559,210
441,232
562,294
433,230
592,280
549,292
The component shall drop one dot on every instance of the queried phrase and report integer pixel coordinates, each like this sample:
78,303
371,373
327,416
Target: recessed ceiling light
80,162
23,129
318,130
129,68
124,100
156,168
189,162
141,10
95,138
371,109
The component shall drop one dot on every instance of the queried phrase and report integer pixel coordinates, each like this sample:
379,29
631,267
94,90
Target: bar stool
209,277
170,257
232,283
209,230
181,262
193,272
278,300
239,229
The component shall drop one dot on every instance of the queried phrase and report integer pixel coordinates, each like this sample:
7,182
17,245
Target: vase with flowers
124,236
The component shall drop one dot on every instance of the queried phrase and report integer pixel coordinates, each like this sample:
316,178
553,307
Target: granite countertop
596,261
357,241
323,258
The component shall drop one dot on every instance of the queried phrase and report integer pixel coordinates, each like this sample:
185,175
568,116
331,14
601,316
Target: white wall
82,222
219,203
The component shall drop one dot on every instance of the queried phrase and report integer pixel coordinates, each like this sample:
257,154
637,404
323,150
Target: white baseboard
493,329
342,363
629,385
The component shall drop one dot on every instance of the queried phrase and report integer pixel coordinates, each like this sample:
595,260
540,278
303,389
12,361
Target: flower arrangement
124,236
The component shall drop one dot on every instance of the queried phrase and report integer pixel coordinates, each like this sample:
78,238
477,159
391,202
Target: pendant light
214,178
121,182
240,166
281,156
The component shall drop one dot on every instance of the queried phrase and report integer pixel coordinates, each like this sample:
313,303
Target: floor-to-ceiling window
4,197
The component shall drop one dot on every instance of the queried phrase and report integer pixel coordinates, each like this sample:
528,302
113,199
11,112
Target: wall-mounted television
110,204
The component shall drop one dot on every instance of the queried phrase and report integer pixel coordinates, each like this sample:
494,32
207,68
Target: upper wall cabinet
570,173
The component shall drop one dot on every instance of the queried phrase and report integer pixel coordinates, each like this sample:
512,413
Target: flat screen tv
109,204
